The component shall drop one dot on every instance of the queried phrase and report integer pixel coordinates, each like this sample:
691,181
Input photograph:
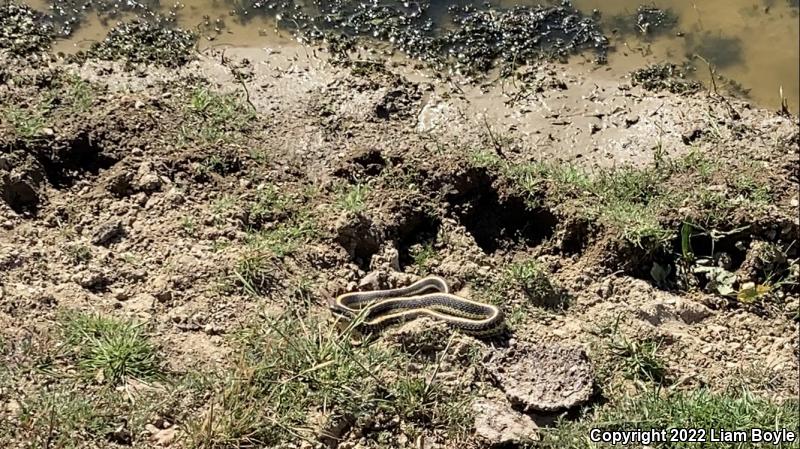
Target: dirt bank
169,239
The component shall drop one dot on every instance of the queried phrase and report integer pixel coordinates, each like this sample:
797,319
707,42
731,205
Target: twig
731,110
429,383
50,427
247,94
497,147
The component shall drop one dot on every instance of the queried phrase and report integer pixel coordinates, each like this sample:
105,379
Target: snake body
430,296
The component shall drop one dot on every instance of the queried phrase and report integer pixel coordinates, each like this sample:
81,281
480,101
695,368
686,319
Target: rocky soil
634,238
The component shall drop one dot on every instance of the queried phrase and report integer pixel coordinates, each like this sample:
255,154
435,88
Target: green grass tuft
110,350
212,117
295,376
353,198
659,409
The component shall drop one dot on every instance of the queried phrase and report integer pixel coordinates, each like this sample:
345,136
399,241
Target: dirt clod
107,232
544,377
499,424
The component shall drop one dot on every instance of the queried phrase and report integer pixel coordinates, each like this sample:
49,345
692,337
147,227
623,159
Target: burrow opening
729,252
80,158
418,229
497,222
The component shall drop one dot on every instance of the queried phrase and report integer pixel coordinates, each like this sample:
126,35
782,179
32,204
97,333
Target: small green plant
270,204
285,237
533,280
221,207
78,253
27,123
420,254
54,418
255,272
659,408
353,198
188,225
110,350
78,94
640,359
213,117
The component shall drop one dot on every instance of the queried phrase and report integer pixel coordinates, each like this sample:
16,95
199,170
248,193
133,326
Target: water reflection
752,42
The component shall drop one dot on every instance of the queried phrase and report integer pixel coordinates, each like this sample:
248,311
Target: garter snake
430,296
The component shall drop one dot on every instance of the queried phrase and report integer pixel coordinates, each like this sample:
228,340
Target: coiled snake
430,296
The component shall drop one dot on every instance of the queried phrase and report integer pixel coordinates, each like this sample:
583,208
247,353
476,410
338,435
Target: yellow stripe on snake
430,296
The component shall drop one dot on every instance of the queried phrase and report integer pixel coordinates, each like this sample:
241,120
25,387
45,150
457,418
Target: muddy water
751,42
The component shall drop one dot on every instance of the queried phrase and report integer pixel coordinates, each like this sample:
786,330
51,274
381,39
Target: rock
90,279
107,232
657,312
543,377
141,303
606,289
420,336
120,294
164,437
160,288
387,259
371,281
691,311
432,116
21,179
498,424
120,182
147,180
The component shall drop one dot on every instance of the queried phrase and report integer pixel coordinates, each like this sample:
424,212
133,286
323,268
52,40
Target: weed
222,206
301,293
110,350
638,224
54,418
284,238
188,225
640,360
220,163
26,122
287,366
532,279
211,117
353,198
255,272
660,409
78,253
420,254
270,204
77,95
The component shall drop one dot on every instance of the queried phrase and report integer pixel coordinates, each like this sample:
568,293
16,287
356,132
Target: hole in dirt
415,237
727,252
498,223
368,164
730,252
360,238
80,158
575,237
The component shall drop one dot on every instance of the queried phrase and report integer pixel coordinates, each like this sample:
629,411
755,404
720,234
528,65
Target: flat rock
107,232
544,377
692,311
499,424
